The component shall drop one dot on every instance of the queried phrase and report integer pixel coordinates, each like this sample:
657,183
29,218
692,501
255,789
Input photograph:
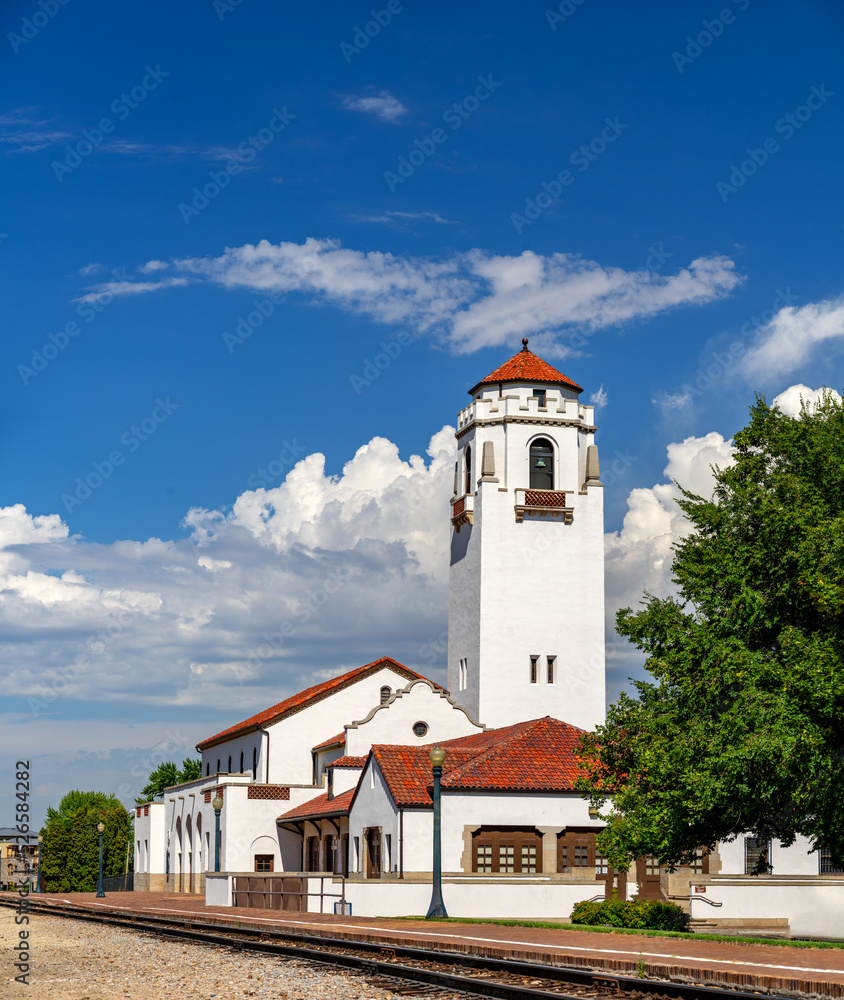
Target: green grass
689,936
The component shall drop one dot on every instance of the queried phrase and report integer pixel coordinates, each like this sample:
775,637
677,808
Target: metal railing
119,883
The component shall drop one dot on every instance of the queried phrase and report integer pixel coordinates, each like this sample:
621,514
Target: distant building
18,858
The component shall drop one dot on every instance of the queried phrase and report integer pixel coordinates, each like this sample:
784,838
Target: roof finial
524,343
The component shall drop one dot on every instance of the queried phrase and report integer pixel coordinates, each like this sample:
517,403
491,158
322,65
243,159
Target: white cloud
391,218
119,288
790,401
599,398
471,300
792,337
383,106
152,266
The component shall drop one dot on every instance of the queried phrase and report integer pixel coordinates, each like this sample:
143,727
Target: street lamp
218,805
39,884
100,893
437,908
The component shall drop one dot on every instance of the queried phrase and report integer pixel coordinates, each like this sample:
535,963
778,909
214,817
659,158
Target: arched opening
254,763
207,768
201,860
241,762
218,765
385,694
542,465
178,854
468,464
189,854
229,771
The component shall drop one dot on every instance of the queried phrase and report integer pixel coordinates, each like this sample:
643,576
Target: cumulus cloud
383,106
792,400
471,300
792,337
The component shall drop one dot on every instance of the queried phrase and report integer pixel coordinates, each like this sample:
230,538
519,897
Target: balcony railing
545,503
462,511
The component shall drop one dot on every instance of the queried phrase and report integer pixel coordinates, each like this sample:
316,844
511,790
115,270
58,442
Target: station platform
748,966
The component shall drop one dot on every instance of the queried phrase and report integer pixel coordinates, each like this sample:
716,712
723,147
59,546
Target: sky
254,256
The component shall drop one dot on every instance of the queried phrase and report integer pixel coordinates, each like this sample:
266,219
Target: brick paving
805,970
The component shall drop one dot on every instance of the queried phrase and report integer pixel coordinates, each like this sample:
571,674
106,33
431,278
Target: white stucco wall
811,908
798,859
393,723
374,807
291,739
344,778
530,588
151,833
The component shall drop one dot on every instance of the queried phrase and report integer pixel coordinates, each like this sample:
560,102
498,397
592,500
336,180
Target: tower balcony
462,511
546,503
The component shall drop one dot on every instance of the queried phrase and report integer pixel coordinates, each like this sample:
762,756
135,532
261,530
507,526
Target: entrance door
647,875
373,852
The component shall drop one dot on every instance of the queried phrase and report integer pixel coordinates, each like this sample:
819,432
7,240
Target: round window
420,729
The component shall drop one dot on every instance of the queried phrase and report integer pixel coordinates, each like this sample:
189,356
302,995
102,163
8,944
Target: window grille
756,848
506,852
825,866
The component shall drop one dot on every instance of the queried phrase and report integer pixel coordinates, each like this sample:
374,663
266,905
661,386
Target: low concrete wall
218,890
812,907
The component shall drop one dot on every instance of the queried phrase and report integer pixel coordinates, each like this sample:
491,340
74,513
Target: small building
18,858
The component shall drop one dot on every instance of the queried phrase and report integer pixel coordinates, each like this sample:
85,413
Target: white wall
393,723
798,859
374,807
811,909
531,588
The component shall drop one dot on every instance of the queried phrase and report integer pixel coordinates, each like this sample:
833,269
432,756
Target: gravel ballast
77,960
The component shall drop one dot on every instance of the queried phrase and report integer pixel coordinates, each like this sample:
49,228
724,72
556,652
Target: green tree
70,851
743,726
168,774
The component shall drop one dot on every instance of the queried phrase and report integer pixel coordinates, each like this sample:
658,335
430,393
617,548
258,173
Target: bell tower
526,580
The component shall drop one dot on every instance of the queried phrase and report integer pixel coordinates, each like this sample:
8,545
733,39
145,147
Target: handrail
703,899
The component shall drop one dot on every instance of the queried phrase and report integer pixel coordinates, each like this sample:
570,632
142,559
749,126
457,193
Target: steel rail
384,959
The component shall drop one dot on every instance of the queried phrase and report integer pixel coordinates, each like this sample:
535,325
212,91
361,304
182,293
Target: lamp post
437,907
39,885
218,805
100,893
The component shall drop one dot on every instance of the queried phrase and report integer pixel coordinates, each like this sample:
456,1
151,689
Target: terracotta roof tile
335,741
303,699
321,806
539,755
348,762
527,367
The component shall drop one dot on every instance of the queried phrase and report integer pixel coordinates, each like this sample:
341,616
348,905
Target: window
534,669
254,763
539,394
825,866
241,762
420,729
551,660
463,675
218,765
700,865
576,849
313,854
385,695
207,768
264,863
230,765
756,849
357,853
373,852
651,865
506,852
388,852
542,465
331,853
468,463
601,865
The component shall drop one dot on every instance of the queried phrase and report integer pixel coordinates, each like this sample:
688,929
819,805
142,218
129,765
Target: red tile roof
348,762
539,755
308,697
320,807
526,367
335,741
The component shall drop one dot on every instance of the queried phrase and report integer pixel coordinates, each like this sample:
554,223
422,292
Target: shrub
640,914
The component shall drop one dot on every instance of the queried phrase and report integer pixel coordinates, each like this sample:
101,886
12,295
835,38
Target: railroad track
403,969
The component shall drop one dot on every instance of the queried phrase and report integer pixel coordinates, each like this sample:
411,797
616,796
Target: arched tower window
468,456
542,465
385,695
230,765
207,769
218,765
254,763
241,762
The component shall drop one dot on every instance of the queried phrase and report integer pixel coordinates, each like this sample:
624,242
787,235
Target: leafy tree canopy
742,729
168,774
70,851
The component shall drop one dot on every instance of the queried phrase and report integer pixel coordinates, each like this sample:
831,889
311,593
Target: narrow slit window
551,662
534,669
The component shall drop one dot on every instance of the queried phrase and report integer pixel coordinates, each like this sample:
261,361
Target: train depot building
330,790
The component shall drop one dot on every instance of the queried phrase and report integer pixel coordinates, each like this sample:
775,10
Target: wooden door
373,852
647,875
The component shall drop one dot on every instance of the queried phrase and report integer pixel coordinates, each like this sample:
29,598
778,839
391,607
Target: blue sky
651,193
